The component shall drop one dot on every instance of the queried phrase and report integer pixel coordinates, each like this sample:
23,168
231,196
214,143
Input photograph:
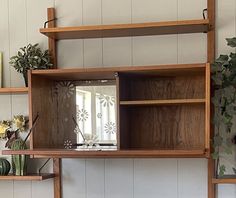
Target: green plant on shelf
30,57
224,79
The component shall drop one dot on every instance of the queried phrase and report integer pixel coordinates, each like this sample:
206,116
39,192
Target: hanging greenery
224,100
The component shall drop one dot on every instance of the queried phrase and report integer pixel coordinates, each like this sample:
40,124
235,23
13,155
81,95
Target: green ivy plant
30,57
224,78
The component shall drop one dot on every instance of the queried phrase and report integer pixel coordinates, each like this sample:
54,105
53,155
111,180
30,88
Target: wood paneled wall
112,178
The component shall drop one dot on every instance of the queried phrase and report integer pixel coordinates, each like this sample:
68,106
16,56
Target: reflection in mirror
95,120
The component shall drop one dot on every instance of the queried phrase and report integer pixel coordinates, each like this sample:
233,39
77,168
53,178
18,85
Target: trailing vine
224,79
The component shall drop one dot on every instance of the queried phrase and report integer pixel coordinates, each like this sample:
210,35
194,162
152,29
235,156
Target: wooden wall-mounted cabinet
161,111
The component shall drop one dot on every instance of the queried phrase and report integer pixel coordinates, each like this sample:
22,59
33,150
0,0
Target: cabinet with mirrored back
144,111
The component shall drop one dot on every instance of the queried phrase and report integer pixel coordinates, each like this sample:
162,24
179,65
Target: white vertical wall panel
151,50
6,189
74,178
155,178
42,189
226,191
17,35
22,189
116,51
153,10
192,48
20,104
192,178
119,178
70,52
188,9
225,24
92,15
34,22
95,178
4,40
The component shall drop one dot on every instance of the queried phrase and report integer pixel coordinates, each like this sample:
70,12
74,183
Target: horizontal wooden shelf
162,102
29,177
17,90
227,179
63,153
124,30
110,72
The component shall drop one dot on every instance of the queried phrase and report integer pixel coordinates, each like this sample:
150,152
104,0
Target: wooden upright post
57,179
51,41
210,59
53,52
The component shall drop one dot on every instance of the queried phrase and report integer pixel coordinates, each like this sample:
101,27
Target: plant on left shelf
30,57
10,130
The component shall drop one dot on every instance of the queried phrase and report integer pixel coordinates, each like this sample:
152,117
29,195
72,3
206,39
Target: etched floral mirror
93,113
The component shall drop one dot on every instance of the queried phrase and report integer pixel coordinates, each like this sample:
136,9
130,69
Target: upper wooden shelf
110,72
63,153
227,179
162,102
124,30
29,177
12,90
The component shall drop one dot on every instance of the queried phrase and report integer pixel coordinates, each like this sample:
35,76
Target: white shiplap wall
112,178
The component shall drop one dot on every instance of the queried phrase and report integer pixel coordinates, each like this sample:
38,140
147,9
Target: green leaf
215,155
218,78
231,42
222,59
228,150
218,140
222,170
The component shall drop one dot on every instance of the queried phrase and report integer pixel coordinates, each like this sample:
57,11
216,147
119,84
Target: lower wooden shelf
12,90
227,179
62,153
163,102
29,177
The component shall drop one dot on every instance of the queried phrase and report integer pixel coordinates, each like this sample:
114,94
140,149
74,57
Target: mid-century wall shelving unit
182,98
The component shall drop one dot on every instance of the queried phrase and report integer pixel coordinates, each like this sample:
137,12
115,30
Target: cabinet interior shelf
227,179
124,30
12,90
63,153
29,177
162,102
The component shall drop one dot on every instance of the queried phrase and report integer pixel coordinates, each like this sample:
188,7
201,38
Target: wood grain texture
42,103
14,90
227,179
109,73
63,153
51,41
124,30
57,179
172,127
210,58
29,177
208,108
55,110
163,88
162,102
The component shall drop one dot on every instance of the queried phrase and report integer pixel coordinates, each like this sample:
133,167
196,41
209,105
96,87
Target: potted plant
30,57
224,100
10,130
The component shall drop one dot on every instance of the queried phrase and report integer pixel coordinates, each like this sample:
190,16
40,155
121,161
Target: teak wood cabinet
162,111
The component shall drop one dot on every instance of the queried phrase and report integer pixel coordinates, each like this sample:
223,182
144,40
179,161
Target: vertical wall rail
57,179
51,41
210,59
53,52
